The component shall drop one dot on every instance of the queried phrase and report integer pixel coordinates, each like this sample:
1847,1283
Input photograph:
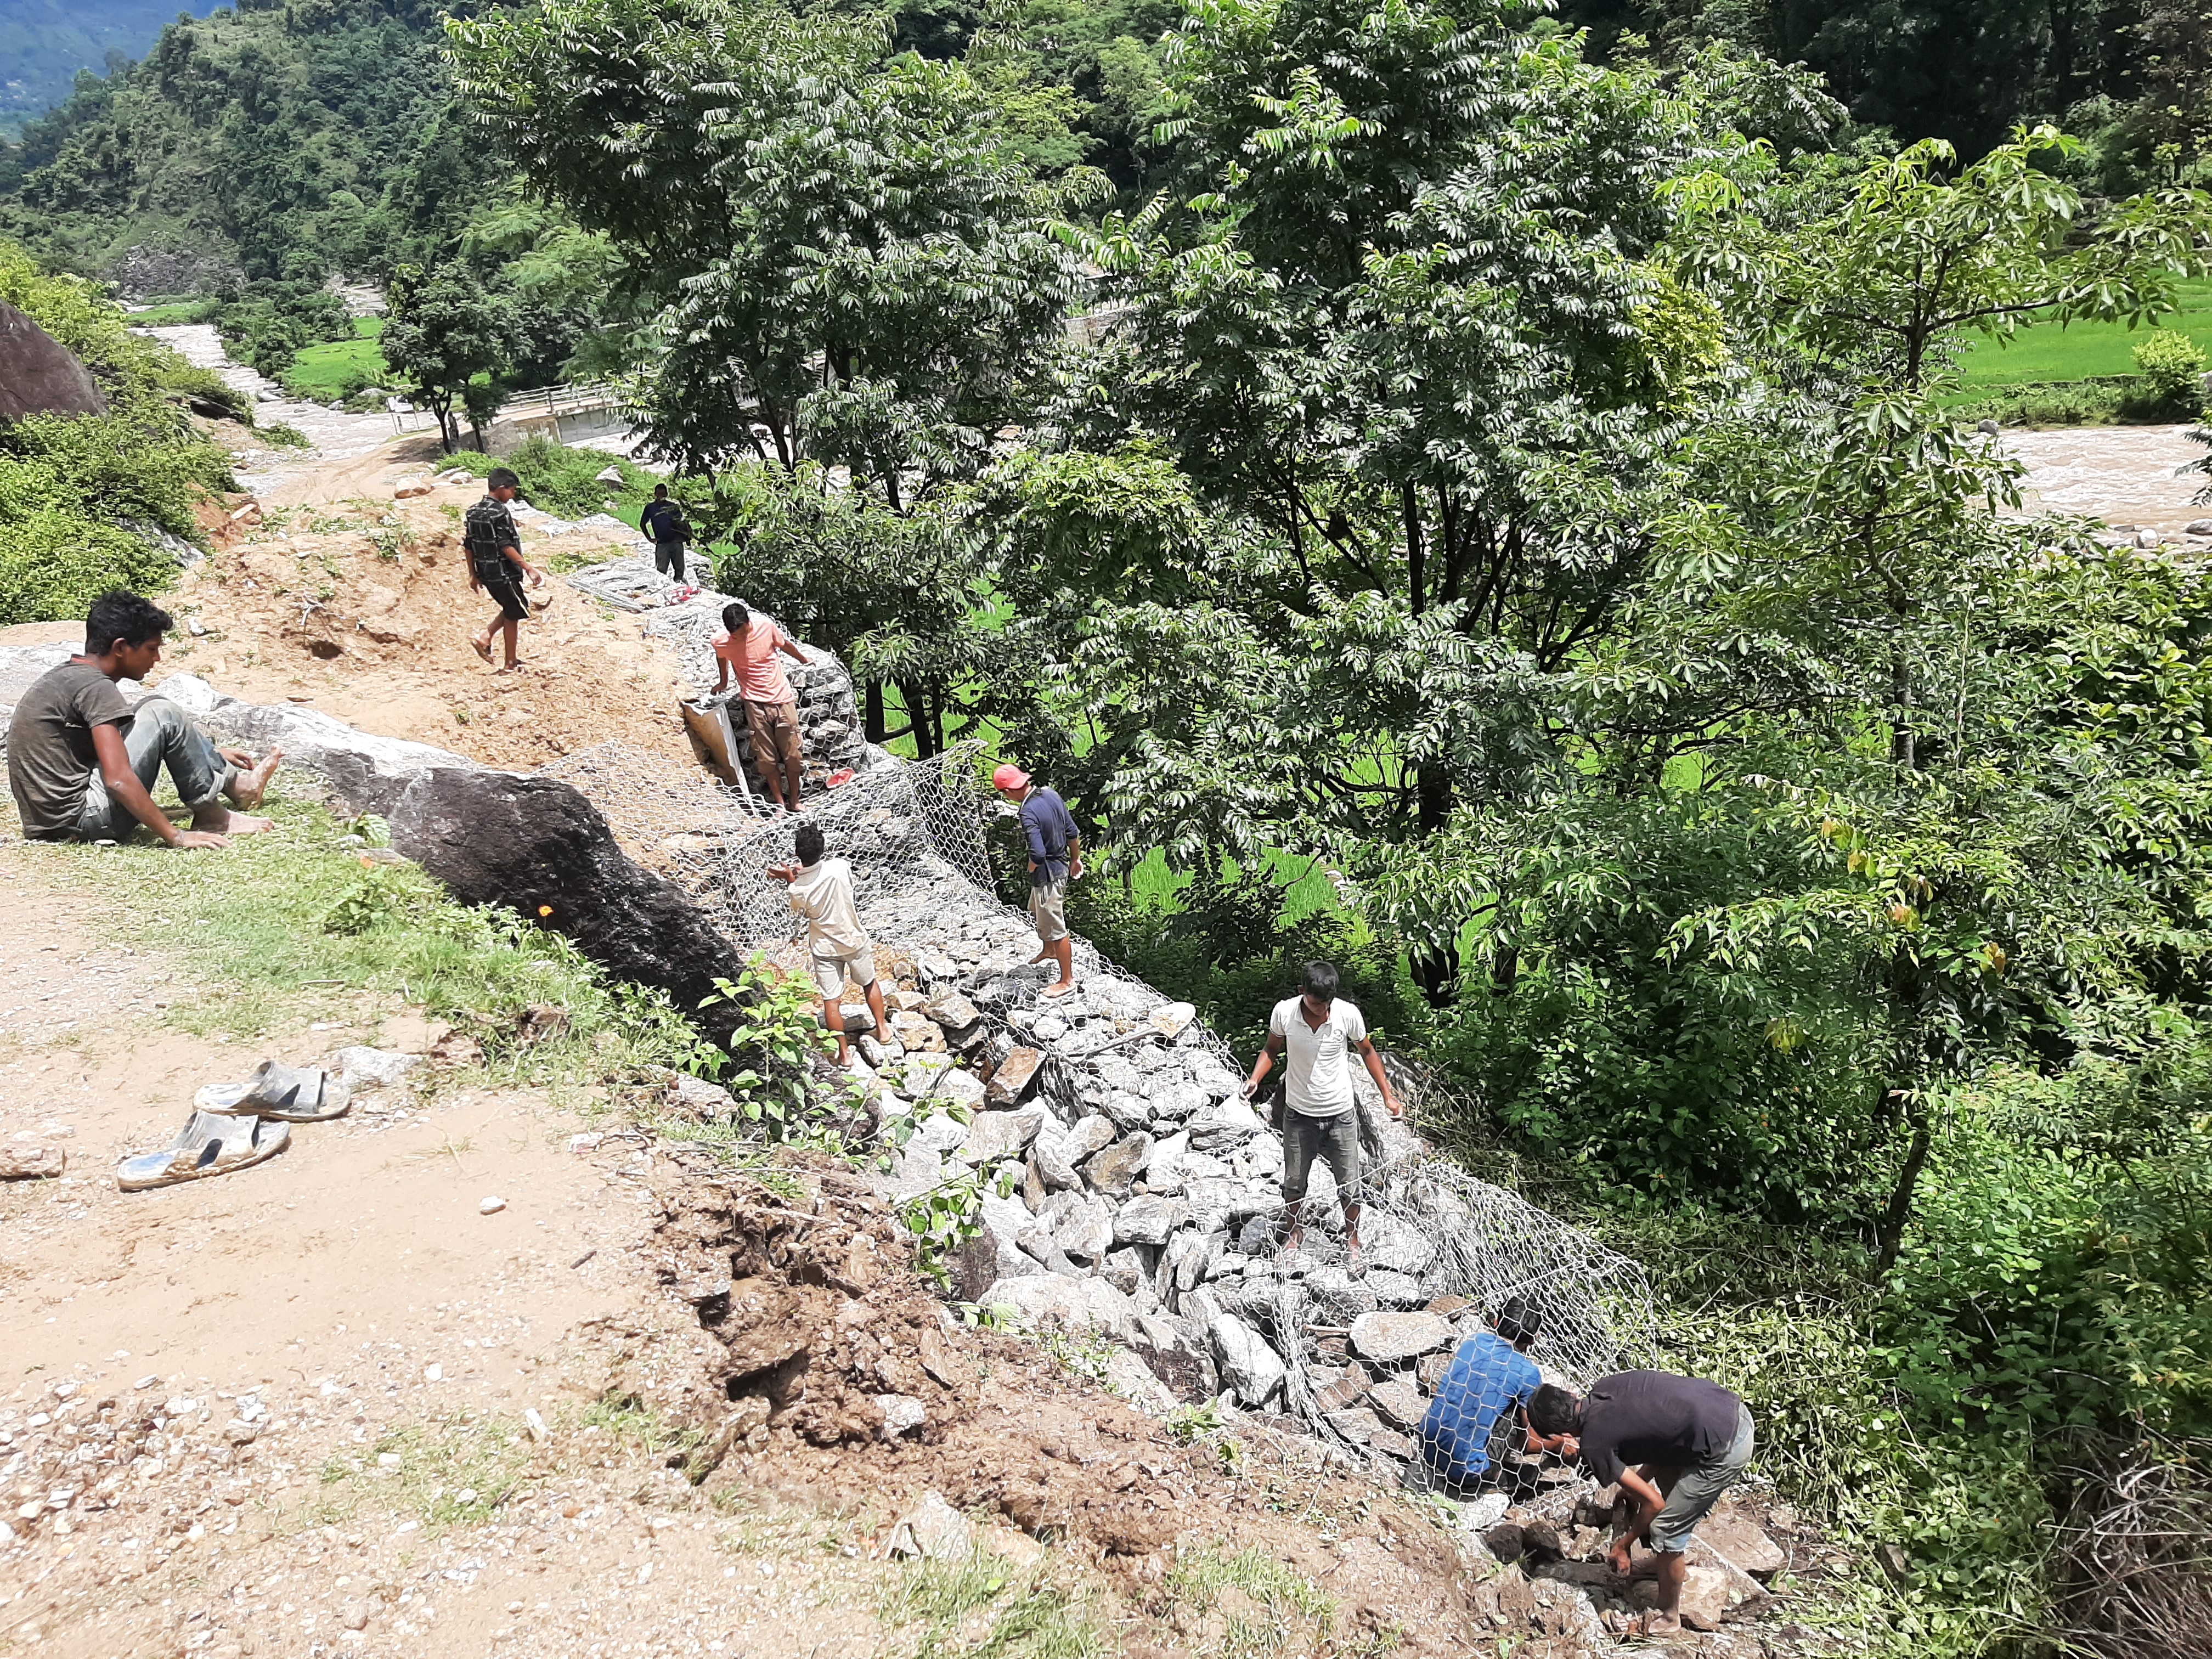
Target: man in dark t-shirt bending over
1693,1439
83,761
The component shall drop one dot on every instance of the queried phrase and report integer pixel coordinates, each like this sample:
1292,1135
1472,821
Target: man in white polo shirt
1318,1029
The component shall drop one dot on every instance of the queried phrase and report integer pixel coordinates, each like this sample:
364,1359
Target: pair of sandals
234,1125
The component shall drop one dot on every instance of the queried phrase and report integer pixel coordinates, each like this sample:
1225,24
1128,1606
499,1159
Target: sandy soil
364,609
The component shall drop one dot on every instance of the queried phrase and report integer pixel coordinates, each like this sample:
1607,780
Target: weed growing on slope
293,921
982,1607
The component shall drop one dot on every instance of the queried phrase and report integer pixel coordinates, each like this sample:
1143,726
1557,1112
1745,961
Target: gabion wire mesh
1436,1236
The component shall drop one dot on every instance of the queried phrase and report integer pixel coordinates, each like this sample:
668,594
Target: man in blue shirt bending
1491,1377
1056,858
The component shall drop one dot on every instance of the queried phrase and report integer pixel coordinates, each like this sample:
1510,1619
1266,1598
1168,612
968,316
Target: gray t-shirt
50,759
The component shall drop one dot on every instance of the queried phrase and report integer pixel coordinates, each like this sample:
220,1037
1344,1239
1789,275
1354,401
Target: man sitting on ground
496,566
1480,1400
82,762
1318,1029
748,645
1055,859
1693,1438
821,891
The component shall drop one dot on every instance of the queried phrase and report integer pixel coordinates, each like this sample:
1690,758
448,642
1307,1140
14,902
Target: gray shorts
1048,909
1692,1493
1333,1139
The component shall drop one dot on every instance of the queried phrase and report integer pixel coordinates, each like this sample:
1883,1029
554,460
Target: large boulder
533,845
39,375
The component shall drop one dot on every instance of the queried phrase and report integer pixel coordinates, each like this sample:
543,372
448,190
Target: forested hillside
267,141
46,43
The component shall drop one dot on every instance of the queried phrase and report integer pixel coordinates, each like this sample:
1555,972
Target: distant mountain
272,140
44,43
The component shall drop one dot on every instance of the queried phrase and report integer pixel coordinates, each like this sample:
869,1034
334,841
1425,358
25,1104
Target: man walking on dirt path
1318,1029
1055,859
496,566
663,520
747,648
1693,1439
839,947
82,762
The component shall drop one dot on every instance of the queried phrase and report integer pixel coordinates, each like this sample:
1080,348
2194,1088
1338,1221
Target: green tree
447,337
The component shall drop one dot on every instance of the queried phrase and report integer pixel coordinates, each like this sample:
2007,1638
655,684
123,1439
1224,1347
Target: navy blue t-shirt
665,522
1051,830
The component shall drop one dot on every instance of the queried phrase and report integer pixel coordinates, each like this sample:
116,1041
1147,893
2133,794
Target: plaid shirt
487,532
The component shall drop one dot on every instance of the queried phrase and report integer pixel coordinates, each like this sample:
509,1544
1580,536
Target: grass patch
176,313
2046,352
338,368
453,1473
982,1607
628,1417
292,923
1247,1605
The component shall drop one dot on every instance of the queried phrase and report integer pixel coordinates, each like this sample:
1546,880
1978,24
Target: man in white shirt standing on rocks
821,891
1318,1029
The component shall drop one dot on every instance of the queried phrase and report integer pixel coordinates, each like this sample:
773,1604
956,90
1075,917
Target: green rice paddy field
2047,352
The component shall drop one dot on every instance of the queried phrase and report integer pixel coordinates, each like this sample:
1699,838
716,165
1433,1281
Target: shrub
2170,369
560,480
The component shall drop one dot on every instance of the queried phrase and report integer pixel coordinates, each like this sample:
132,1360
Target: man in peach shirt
747,649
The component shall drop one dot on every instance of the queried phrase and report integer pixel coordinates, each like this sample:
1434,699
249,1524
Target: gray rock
1091,1134
1399,1403
1128,1111
1388,1337
1114,1169
1076,1306
933,1530
1178,1099
1086,1230
2197,527
1394,1290
361,1068
1049,1161
1395,1244
995,1135
1336,1293
1122,1268
902,1414
1230,1124
1148,1220
1246,1363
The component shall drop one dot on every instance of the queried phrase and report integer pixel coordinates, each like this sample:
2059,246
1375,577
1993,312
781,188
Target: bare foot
1663,1624
1295,1236
1352,1247
221,821
247,788
1058,988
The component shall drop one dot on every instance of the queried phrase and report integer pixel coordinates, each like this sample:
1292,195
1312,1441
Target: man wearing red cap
1056,858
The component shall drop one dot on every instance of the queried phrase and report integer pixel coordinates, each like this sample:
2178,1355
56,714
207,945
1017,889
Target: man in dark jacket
1693,1439
663,520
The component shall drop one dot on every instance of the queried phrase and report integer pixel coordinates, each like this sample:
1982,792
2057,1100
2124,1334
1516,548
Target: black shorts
505,587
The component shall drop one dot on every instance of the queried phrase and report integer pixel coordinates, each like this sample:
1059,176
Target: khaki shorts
774,727
1048,909
832,974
